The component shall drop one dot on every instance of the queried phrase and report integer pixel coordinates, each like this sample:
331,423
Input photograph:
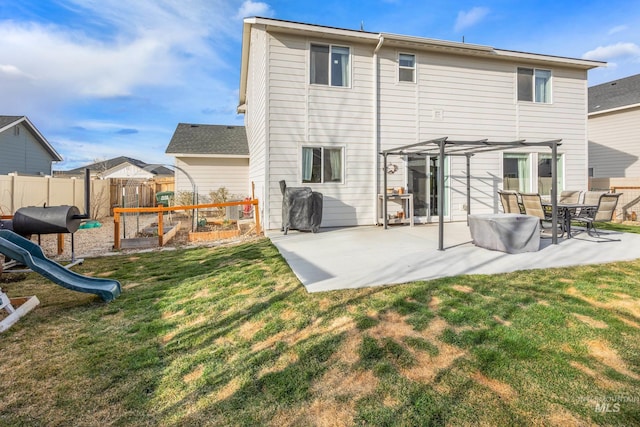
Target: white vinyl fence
20,191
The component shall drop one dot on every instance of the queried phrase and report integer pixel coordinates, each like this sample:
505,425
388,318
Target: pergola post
468,157
441,197
384,193
554,192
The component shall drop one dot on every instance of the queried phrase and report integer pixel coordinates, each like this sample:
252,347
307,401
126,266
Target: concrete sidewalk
344,258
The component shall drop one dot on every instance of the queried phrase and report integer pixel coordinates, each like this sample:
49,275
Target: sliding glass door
422,182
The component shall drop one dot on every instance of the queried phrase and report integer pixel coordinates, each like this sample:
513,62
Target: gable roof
106,165
615,94
377,40
211,140
7,122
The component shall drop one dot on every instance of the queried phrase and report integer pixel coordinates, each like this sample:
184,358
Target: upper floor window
406,67
330,65
534,85
321,164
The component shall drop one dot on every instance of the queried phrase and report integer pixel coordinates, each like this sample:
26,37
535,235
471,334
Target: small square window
321,164
330,64
534,85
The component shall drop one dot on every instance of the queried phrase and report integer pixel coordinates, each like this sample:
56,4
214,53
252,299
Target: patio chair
590,198
532,203
604,213
569,196
510,202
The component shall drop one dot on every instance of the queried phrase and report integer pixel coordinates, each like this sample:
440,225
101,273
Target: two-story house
321,103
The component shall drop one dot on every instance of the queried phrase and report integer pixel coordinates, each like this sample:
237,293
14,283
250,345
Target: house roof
7,122
377,40
210,140
106,165
616,94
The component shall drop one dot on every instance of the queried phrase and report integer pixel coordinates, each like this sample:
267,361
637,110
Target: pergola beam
469,148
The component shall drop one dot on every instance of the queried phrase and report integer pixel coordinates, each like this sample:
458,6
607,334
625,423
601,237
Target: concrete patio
344,258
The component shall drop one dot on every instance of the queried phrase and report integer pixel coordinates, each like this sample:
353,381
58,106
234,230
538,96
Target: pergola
442,147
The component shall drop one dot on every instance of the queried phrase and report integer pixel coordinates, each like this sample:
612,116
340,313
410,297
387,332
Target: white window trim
414,68
343,172
533,85
534,173
331,45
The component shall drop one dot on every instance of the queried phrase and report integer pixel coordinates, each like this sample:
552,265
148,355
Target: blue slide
28,253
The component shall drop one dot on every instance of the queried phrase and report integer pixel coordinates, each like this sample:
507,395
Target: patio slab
357,257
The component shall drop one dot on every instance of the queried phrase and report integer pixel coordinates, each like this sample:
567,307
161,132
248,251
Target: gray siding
22,153
614,144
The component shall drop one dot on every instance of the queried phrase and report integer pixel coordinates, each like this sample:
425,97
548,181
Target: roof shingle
209,139
615,94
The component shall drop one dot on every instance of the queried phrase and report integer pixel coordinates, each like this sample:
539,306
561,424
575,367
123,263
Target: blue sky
105,78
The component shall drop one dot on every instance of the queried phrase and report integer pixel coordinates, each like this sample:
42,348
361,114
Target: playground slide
28,253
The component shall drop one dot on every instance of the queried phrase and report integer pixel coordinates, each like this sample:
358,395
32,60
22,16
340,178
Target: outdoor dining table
567,212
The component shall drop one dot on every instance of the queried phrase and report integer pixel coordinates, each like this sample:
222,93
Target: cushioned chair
607,203
510,202
532,203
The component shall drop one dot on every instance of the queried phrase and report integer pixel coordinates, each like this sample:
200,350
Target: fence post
116,230
160,229
256,214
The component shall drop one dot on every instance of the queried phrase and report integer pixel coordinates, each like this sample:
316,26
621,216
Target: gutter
244,65
376,128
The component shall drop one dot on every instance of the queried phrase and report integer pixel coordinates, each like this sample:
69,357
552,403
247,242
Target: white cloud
470,18
618,50
254,8
618,29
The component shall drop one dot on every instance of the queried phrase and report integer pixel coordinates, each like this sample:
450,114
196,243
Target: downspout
376,133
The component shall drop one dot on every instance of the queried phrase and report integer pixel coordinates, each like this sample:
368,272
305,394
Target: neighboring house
121,168
23,149
213,156
321,103
614,129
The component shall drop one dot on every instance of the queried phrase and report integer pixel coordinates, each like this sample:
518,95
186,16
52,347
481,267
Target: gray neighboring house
213,156
23,149
614,129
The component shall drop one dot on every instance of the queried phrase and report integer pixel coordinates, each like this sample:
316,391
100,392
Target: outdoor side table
510,233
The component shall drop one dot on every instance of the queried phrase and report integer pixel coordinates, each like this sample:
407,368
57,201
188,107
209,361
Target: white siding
22,153
614,144
255,117
462,97
303,114
209,174
468,98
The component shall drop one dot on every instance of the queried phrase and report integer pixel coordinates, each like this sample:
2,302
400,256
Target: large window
534,85
406,67
321,164
330,65
516,170
544,173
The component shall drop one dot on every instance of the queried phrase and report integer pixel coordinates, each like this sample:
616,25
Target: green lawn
228,336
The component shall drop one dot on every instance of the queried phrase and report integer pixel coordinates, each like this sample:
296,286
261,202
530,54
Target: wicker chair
607,203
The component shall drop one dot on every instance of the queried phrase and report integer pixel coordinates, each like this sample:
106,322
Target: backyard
228,336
